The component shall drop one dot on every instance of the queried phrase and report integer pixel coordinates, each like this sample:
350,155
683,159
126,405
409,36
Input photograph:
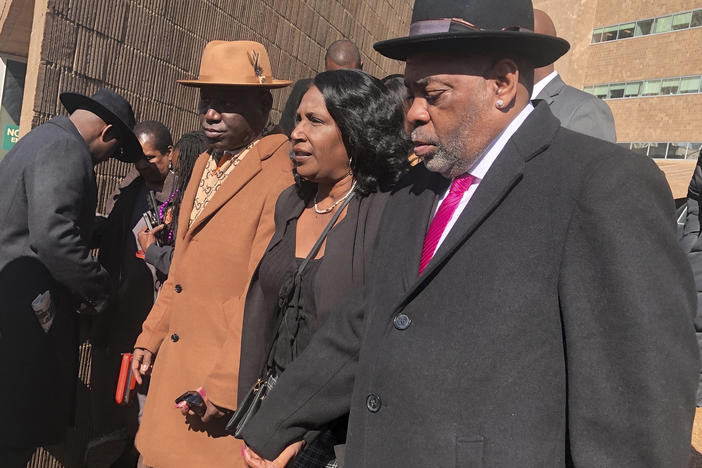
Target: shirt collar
538,87
481,167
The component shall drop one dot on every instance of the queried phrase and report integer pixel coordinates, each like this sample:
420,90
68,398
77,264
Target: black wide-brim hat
474,26
114,110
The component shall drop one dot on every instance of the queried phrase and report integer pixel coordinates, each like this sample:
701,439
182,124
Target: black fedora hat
474,26
113,109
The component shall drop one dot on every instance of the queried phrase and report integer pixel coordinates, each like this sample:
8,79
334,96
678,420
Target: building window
682,21
696,21
648,88
651,88
670,86
616,90
663,24
626,30
690,84
633,89
644,27
665,150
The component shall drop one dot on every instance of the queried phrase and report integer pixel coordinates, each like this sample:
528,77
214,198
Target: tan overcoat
195,325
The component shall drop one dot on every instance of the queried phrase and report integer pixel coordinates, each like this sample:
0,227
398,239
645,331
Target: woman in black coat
348,145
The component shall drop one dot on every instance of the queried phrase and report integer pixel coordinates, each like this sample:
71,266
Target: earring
500,103
170,165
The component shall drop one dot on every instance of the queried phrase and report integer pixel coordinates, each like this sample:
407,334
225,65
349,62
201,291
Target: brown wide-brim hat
236,63
473,27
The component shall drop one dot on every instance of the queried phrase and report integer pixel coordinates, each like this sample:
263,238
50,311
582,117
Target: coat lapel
530,139
411,217
237,178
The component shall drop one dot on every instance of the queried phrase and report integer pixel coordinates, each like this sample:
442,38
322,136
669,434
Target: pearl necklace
336,203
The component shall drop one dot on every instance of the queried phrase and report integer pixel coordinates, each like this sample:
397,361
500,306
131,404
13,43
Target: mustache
416,135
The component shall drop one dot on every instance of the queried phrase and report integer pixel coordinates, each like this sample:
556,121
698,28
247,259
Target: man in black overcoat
529,305
48,196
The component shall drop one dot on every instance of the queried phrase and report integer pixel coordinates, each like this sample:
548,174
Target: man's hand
254,460
211,411
146,238
142,360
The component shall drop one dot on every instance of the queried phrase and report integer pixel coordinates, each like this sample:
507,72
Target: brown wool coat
195,325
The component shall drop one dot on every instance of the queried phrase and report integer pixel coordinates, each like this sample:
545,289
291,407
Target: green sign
10,136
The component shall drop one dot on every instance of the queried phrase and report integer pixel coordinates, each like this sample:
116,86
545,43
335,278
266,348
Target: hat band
444,25
251,79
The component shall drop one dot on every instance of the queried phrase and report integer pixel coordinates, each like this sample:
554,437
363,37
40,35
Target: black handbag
252,402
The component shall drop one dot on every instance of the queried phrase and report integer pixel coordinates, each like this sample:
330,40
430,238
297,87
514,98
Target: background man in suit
340,54
48,197
509,320
577,110
225,223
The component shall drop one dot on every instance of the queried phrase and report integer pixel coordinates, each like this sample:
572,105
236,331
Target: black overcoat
48,197
553,327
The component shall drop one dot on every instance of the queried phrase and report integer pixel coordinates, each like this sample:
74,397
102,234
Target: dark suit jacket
47,207
579,111
553,326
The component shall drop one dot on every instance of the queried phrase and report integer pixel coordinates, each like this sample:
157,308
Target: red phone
125,382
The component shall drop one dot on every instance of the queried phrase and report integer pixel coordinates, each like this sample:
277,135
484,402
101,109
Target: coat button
178,288
175,337
373,403
401,321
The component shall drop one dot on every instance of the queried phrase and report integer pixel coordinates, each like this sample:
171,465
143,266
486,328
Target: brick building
643,58
139,48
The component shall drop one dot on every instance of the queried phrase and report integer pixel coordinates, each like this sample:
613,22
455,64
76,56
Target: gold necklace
336,203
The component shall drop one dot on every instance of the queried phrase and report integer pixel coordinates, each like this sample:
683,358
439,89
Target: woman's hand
142,363
146,237
211,411
254,460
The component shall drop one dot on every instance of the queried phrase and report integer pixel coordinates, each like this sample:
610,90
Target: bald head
101,137
342,54
543,24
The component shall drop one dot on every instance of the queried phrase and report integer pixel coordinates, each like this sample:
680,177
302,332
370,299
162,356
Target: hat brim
539,49
200,83
128,141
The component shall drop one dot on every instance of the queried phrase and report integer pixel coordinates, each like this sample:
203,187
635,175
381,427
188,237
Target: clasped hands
254,460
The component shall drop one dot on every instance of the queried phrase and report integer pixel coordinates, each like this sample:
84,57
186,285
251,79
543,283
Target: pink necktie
442,218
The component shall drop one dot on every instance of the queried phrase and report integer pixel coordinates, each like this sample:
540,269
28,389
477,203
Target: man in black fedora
48,196
529,305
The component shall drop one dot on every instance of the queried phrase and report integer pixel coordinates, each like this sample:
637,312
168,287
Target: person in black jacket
511,317
349,144
48,196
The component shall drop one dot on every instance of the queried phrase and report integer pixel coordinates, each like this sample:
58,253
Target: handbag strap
320,240
298,275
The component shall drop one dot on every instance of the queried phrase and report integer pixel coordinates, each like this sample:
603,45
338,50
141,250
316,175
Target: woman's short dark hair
161,136
371,122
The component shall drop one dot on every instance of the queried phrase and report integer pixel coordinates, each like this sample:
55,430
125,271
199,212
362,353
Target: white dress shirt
538,87
482,166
